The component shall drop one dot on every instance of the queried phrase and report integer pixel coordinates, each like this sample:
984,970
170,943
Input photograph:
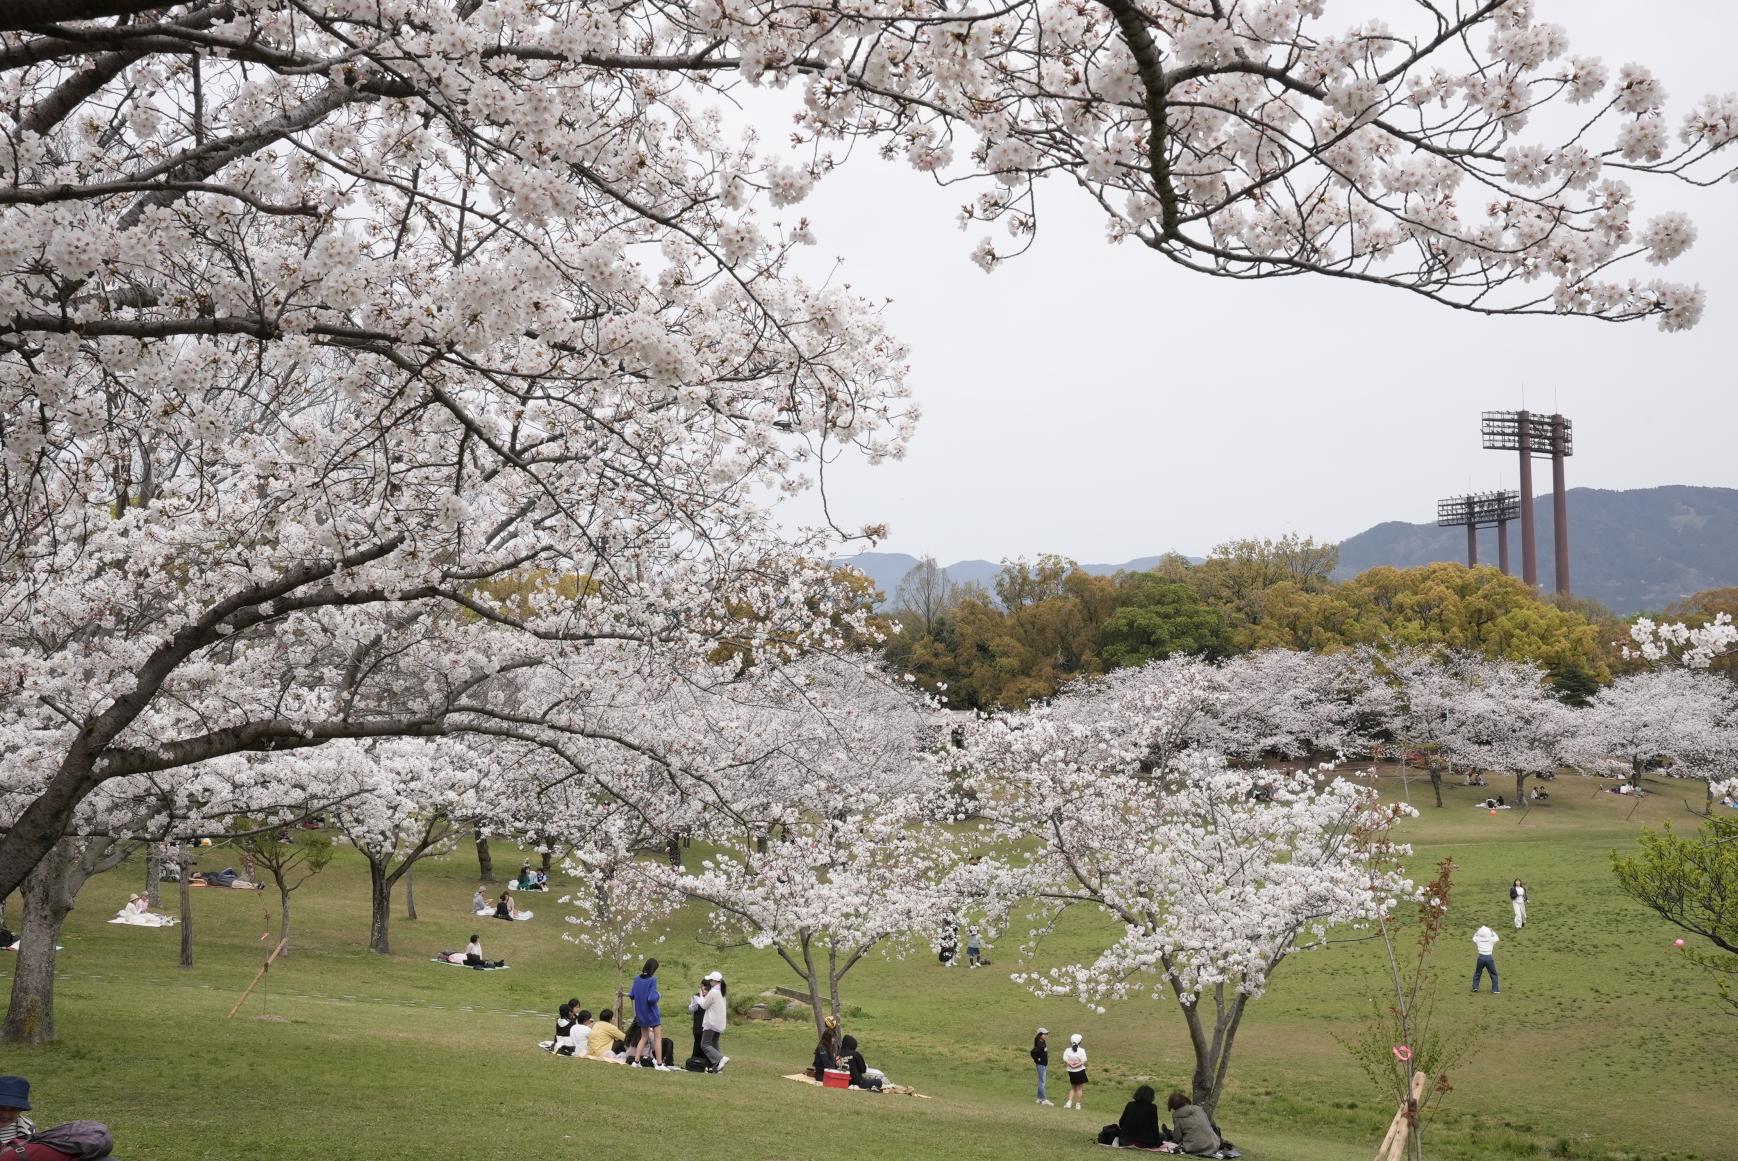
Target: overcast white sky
1097,401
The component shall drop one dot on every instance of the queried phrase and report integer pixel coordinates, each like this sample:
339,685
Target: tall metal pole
1472,545
1503,546
1559,502
1529,555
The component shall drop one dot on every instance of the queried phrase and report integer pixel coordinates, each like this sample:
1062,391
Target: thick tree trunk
485,861
548,857
154,877
410,895
1520,789
1436,781
1635,773
30,1015
185,891
674,850
380,907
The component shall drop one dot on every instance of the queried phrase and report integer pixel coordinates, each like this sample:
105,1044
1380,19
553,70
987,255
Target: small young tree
1692,883
1400,1046
291,856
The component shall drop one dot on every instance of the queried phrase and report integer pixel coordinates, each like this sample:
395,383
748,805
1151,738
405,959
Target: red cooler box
836,1078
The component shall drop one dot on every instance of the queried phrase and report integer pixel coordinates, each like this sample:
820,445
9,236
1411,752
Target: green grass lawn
1603,1044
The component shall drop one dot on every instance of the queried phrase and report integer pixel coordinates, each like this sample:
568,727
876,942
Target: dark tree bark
410,895
380,900
48,893
185,891
30,1016
154,877
1436,781
485,861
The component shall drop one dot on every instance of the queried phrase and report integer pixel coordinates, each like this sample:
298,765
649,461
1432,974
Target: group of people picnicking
1191,1131
579,1033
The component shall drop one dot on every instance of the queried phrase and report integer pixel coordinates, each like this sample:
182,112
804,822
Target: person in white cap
1485,940
1041,1058
1074,1060
712,1021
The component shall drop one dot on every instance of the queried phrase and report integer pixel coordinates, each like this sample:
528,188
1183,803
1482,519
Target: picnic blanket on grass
490,914
895,1089
497,967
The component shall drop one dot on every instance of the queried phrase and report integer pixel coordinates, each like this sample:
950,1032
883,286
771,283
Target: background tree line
1047,621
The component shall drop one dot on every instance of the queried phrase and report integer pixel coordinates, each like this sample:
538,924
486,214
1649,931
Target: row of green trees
1044,623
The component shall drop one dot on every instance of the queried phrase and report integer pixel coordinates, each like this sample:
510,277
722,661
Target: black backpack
1110,1134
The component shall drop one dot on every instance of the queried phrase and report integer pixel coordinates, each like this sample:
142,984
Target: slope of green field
1603,1044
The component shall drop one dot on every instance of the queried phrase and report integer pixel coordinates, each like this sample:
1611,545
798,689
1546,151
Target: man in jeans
1486,941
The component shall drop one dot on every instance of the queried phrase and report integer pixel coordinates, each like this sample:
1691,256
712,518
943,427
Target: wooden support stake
1394,1144
265,967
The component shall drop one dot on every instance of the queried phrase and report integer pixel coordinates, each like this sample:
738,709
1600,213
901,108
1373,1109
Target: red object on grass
836,1078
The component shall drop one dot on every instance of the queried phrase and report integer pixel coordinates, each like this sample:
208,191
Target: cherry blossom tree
1503,715
830,891
1215,874
358,362
1678,715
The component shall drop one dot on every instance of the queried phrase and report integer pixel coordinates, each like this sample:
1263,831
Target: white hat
1074,1039
1043,1031
715,977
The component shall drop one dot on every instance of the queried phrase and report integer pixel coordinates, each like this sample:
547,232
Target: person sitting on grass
564,1025
539,881
607,1041
526,881
14,1103
504,909
827,1051
1138,1127
1194,1129
479,901
862,1076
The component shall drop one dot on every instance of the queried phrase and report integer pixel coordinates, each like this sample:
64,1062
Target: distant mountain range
1631,550
887,569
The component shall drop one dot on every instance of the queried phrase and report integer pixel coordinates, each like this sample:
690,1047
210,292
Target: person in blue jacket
644,994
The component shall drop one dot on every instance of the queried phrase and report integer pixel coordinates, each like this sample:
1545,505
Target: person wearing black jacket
827,1052
1138,1127
860,1070
1041,1058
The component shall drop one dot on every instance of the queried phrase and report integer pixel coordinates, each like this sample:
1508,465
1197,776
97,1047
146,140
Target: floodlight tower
1477,510
1532,435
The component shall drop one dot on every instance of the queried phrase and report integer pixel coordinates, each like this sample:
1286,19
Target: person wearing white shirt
1074,1060
713,1006
1518,897
1486,941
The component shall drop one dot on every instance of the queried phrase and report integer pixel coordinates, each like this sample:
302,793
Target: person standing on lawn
644,994
1041,1058
1518,897
1486,941
1074,1060
713,1007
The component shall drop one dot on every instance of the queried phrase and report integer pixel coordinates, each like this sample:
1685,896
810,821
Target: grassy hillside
1602,1044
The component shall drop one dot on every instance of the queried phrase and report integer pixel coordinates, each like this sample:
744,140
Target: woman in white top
1074,1060
1518,896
